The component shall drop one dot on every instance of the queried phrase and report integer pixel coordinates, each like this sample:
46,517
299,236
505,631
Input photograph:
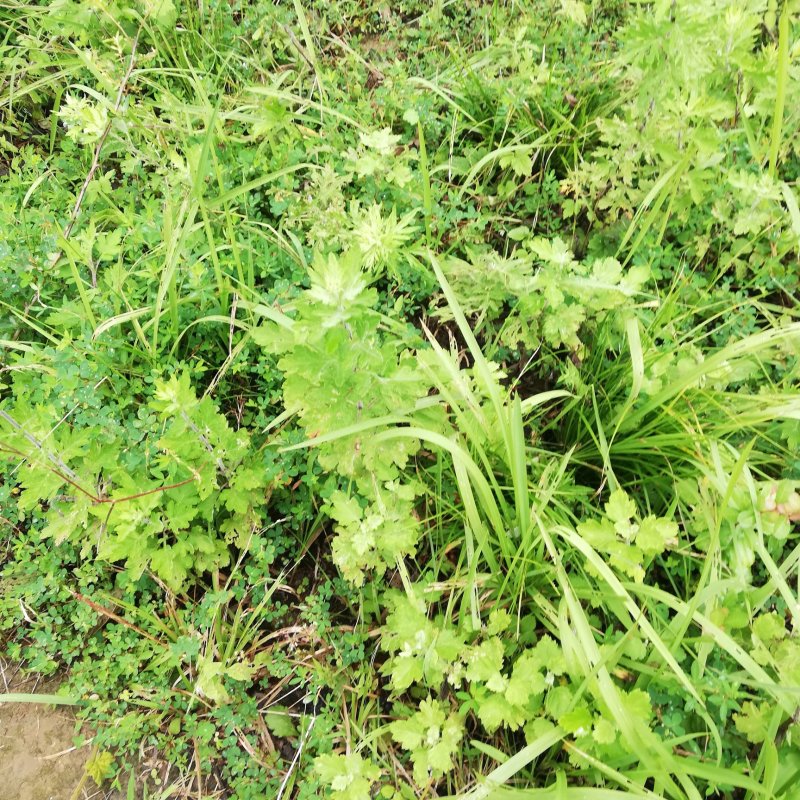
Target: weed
400,400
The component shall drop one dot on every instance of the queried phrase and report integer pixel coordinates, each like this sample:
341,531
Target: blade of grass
41,699
636,615
759,676
654,756
506,771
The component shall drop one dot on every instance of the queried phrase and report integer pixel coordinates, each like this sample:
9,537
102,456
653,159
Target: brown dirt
37,758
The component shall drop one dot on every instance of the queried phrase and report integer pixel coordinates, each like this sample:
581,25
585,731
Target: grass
398,386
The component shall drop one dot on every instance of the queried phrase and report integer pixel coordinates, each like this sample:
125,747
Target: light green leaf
349,777
753,722
620,508
654,534
240,672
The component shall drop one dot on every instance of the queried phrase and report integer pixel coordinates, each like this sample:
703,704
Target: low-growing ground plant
400,399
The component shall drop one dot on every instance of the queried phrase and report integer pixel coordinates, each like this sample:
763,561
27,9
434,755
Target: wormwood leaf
432,737
553,251
338,291
175,395
485,662
574,10
382,141
239,496
423,650
61,526
85,121
349,777
172,564
655,533
379,238
753,721
372,537
562,326
553,296
341,370
100,767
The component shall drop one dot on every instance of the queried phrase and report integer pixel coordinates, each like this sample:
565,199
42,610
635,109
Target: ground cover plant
401,400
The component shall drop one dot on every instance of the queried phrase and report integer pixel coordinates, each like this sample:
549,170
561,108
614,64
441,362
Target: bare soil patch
38,760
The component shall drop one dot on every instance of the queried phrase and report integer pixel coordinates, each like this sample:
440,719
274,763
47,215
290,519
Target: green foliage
432,736
753,722
552,301
390,426
373,537
422,650
348,777
626,541
690,142
100,767
195,481
341,370
750,517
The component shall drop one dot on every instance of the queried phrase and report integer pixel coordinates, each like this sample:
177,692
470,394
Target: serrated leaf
60,527
753,722
519,161
432,736
599,533
100,767
577,722
499,621
495,712
349,777
209,680
604,732
620,508
654,534
162,12
637,702
406,671
558,701
485,662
